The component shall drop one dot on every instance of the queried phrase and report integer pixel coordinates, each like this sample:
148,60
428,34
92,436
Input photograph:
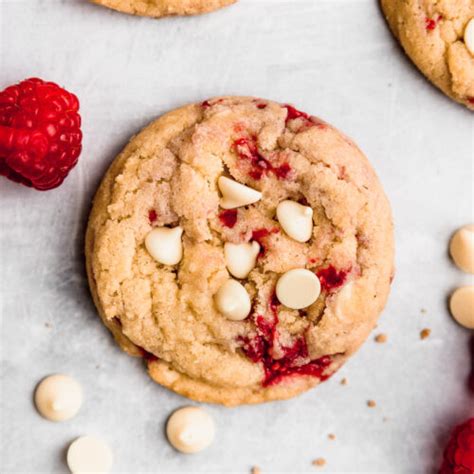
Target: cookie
435,35
159,8
195,264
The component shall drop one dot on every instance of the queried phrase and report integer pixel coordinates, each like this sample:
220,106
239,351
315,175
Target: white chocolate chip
190,430
241,258
469,36
461,306
88,454
461,248
296,220
298,288
164,245
235,194
233,301
58,397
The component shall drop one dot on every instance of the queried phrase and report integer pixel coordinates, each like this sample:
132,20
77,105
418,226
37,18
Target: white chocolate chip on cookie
298,288
461,248
190,430
235,194
296,220
469,36
233,301
88,454
58,397
164,245
461,306
240,259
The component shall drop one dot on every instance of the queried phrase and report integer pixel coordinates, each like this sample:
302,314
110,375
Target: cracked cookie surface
167,176
160,8
432,34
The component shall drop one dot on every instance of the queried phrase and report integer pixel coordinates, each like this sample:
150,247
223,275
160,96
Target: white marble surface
333,58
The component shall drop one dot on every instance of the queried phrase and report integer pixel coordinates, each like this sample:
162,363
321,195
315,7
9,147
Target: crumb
256,470
320,462
371,403
423,311
384,419
48,325
97,366
381,338
425,333
344,381
331,436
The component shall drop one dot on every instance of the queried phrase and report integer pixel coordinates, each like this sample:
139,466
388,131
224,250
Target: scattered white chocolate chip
296,220
461,306
164,245
469,36
58,397
240,259
88,454
190,430
233,301
235,194
298,288
461,248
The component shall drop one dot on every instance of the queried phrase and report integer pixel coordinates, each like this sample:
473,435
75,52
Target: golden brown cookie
433,34
159,8
189,220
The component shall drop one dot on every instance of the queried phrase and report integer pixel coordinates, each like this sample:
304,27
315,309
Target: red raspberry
459,453
40,133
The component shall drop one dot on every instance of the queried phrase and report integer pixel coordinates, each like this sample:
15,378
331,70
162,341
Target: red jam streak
260,235
228,218
259,350
152,216
247,150
330,278
470,100
206,104
432,23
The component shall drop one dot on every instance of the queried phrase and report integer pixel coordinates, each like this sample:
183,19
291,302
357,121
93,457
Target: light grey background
333,58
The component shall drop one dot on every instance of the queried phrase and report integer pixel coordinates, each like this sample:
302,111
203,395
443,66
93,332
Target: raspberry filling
308,120
259,349
228,218
330,278
260,236
247,150
152,216
432,23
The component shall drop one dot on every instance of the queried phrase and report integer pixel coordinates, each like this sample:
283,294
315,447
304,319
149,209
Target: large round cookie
159,8
167,176
432,34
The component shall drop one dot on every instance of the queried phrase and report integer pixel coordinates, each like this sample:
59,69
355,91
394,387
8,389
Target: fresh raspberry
40,134
459,453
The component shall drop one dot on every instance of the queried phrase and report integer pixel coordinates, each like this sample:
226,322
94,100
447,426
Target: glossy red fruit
40,133
459,453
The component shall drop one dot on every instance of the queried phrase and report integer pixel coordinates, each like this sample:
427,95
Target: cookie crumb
320,462
371,403
344,381
256,470
381,338
332,436
423,311
48,325
425,333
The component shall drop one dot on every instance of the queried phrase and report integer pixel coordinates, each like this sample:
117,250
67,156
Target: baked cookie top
201,189
159,8
437,37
